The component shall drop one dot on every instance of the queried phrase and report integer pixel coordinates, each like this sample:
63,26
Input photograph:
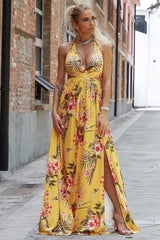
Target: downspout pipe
116,67
134,48
5,83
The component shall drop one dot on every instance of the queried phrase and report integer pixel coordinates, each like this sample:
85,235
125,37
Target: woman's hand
57,122
102,123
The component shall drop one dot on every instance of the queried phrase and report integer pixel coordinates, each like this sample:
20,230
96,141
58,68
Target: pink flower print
47,194
82,69
93,166
73,208
91,224
102,195
87,173
45,210
97,220
92,96
76,219
97,149
94,222
98,223
70,181
115,177
100,100
126,206
79,195
84,117
74,101
72,104
70,107
102,181
83,100
53,167
78,137
99,146
64,193
75,154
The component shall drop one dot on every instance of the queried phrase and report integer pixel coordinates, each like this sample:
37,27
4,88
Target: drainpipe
5,78
116,68
134,44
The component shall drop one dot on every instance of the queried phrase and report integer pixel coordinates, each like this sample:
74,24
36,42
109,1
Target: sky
146,3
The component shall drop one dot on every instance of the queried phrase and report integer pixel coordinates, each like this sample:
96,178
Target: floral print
74,188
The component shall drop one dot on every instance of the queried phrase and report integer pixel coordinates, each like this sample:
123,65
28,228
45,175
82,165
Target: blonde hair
72,15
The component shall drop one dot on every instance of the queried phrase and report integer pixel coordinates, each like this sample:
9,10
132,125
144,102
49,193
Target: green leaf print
98,205
78,91
107,145
128,218
102,210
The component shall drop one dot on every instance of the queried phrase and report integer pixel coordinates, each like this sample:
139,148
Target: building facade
37,29
147,82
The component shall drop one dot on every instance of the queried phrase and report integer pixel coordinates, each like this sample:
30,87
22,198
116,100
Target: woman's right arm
57,122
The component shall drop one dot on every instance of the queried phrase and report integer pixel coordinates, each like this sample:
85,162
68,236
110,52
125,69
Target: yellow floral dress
74,188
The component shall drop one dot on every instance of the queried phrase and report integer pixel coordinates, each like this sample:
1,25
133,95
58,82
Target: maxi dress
73,199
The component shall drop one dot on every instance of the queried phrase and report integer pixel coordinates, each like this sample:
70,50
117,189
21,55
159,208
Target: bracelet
105,108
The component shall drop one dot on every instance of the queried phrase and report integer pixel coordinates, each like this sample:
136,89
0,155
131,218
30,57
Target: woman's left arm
102,121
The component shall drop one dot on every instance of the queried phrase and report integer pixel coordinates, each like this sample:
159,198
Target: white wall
141,69
147,65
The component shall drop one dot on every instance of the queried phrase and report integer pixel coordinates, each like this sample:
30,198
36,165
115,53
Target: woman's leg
110,189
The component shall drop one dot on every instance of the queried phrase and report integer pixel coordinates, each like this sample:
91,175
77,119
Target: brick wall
22,82
22,68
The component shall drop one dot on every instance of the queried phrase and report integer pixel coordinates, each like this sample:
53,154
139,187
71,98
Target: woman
82,161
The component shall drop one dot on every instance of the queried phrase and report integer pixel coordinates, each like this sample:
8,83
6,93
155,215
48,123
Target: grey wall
29,135
122,108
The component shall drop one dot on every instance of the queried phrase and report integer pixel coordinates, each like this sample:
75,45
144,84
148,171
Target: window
69,34
127,82
123,79
124,32
131,82
141,24
100,3
110,11
128,37
39,44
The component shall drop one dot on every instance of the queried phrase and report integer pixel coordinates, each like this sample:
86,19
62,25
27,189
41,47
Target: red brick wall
22,56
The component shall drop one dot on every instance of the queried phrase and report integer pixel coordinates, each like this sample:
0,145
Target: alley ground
137,140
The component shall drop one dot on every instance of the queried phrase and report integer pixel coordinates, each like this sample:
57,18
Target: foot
120,224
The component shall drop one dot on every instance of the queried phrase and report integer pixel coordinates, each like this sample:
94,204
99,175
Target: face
86,22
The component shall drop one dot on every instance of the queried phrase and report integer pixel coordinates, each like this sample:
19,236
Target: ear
75,26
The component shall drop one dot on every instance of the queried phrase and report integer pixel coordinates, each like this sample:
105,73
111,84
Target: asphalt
137,140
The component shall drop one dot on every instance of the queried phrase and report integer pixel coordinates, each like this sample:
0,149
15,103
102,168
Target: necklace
86,42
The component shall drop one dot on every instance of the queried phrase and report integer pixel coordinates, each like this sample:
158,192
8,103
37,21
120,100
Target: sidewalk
137,139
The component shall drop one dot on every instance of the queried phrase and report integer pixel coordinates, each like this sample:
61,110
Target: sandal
120,230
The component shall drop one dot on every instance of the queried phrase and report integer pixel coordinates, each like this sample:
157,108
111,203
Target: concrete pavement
137,140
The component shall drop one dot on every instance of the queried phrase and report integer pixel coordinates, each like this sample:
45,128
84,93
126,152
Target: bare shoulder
64,48
106,48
